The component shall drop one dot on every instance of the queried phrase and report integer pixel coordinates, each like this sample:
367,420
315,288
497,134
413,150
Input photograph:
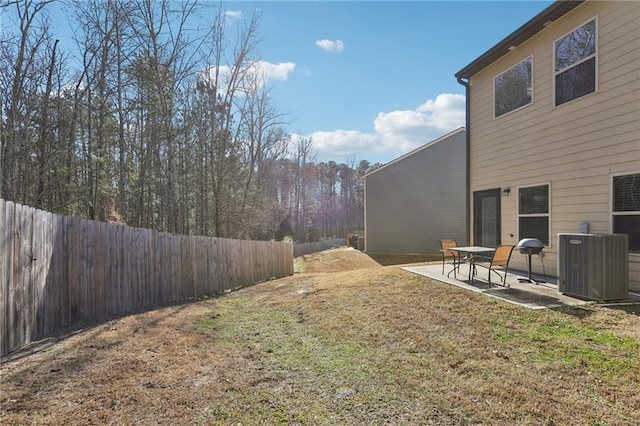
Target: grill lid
530,243
530,246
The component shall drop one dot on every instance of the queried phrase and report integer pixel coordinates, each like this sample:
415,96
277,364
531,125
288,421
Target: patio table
472,251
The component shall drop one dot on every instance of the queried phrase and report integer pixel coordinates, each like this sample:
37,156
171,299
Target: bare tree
160,70
25,65
220,86
303,158
264,142
145,133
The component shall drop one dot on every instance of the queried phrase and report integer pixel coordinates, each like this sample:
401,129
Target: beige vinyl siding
620,33
575,146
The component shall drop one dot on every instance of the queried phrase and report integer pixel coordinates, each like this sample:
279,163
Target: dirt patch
349,259
346,341
334,260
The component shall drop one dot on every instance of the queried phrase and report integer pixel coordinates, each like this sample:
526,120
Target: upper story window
533,213
575,63
513,88
626,208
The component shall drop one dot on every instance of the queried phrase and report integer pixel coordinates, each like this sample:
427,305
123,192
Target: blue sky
373,80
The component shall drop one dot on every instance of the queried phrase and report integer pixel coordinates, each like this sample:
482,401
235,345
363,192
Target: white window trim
518,215
611,212
595,55
532,89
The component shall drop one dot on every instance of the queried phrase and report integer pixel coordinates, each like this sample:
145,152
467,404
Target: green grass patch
551,336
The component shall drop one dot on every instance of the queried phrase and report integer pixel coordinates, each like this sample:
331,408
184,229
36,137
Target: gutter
467,119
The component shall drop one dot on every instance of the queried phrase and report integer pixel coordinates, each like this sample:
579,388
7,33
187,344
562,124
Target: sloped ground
344,341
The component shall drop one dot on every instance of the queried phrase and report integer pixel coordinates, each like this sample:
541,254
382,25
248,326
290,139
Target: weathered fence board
6,254
72,248
59,271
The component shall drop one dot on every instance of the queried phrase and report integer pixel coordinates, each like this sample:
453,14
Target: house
553,128
417,199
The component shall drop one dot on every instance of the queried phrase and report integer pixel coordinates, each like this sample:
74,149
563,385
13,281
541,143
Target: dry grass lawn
346,341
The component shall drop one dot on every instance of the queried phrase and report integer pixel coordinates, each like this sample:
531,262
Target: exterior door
486,218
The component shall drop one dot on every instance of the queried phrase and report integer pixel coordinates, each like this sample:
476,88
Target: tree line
147,122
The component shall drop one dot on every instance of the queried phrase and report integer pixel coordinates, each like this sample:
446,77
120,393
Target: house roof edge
553,12
415,151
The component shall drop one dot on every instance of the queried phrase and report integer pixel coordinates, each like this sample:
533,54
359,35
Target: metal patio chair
450,255
500,259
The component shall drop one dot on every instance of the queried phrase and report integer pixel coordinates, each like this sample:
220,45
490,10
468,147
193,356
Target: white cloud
446,111
279,71
405,130
395,133
233,14
260,73
339,144
330,45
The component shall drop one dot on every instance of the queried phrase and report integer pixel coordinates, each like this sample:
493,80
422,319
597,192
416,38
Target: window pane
489,217
534,200
513,88
626,193
534,227
575,82
629,225
576,46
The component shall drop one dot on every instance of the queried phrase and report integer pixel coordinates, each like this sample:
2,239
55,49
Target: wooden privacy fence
57,271
306,248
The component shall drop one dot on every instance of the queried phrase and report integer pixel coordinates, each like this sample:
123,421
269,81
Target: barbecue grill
529,246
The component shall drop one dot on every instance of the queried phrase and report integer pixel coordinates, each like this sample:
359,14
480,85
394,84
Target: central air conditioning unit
594,266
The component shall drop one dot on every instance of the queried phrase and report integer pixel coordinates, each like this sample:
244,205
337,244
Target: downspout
468,157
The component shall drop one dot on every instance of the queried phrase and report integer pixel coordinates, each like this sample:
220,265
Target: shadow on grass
632,308
575,311
90,328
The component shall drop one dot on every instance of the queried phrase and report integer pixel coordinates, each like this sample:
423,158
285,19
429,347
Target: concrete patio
543,294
